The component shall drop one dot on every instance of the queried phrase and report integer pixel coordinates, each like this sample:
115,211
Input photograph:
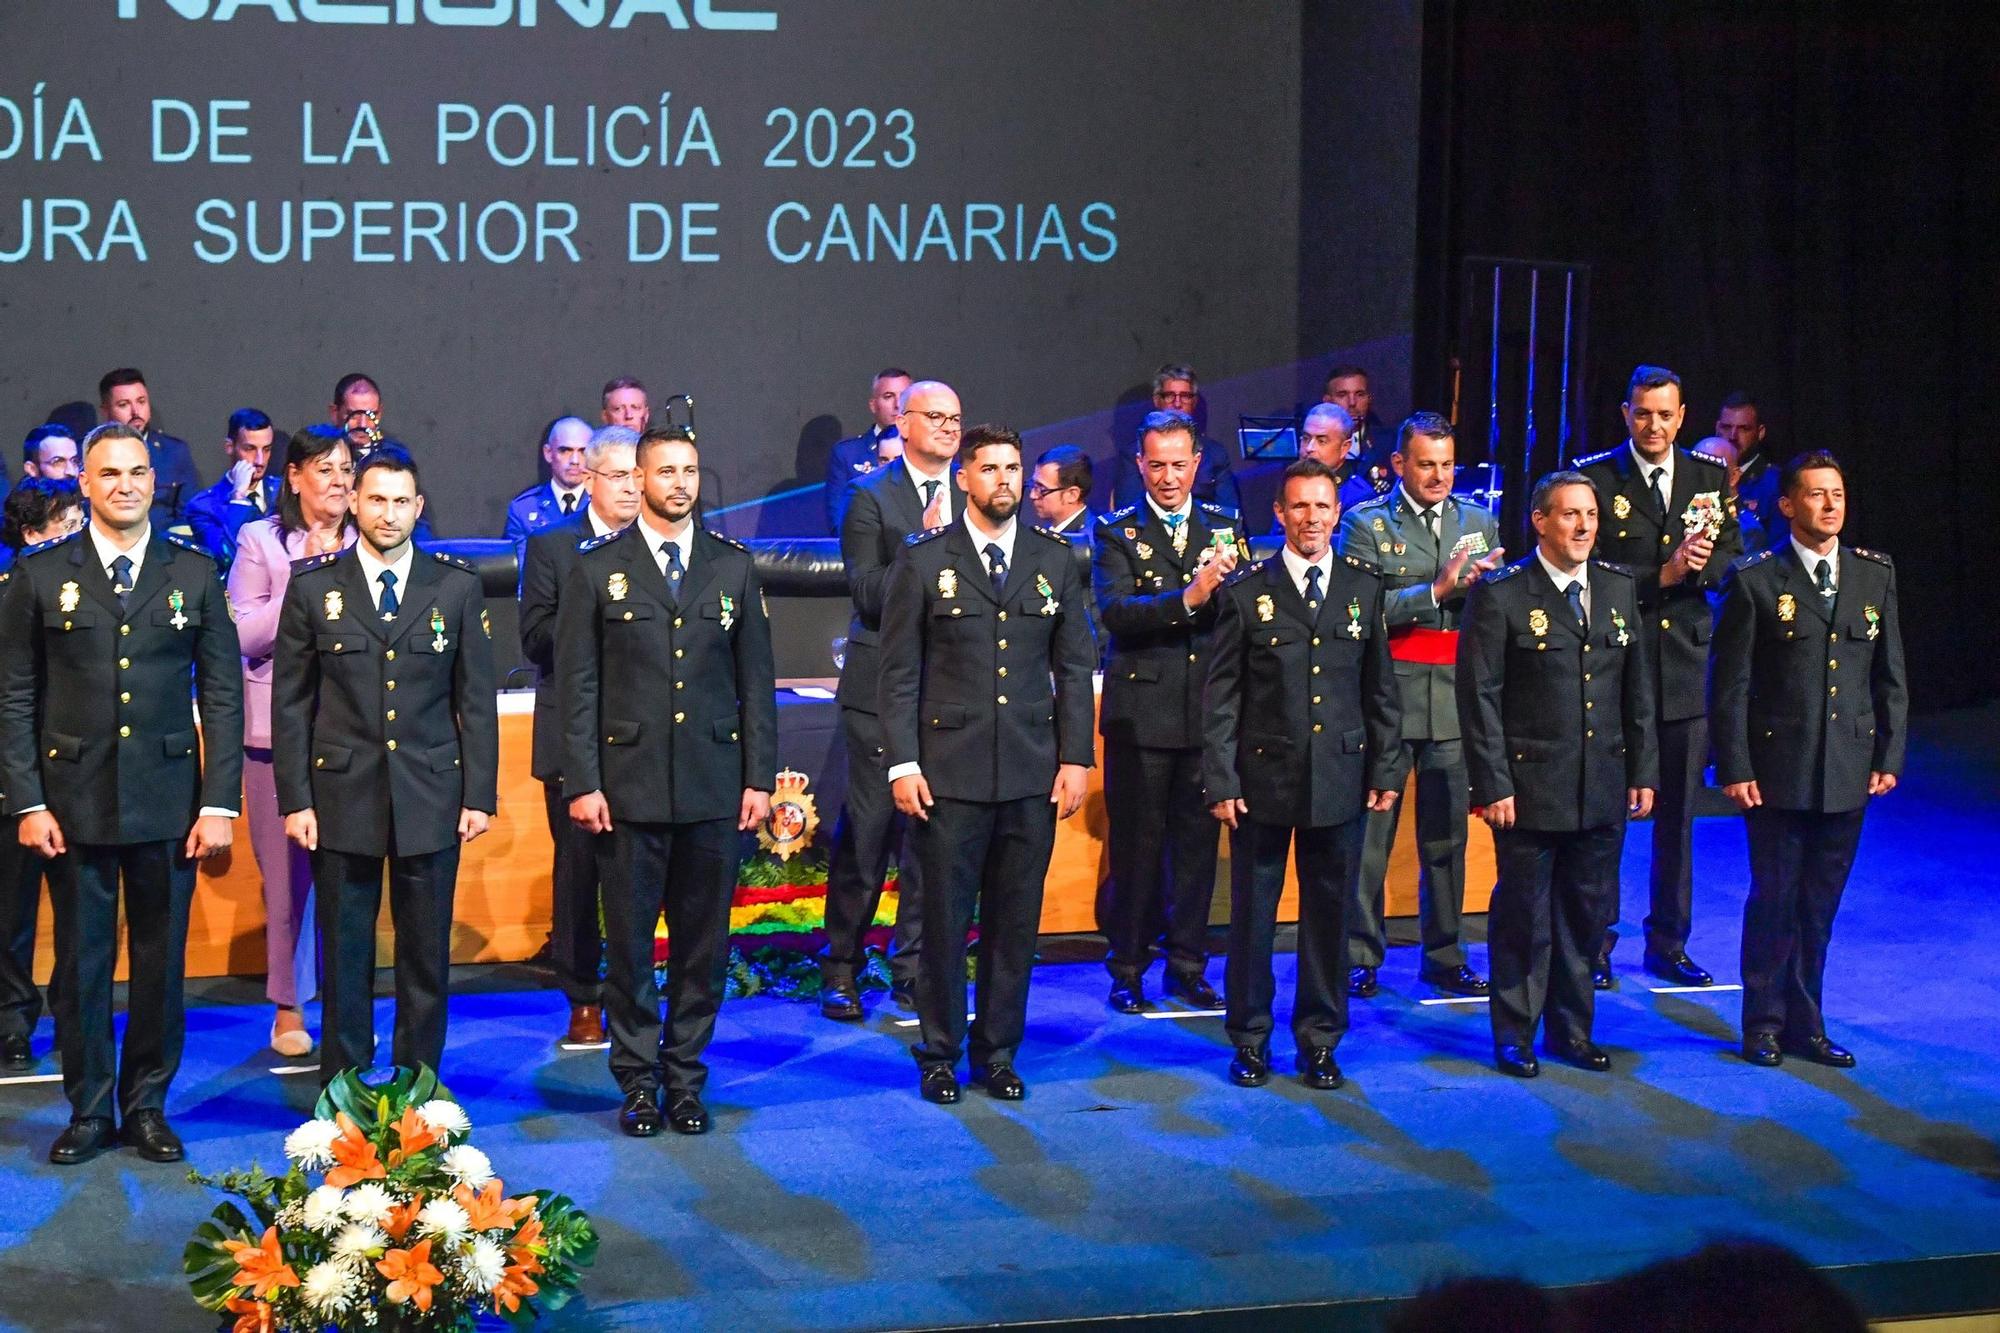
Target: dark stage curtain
1801,200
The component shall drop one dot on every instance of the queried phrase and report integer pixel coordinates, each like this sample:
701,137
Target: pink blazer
257,582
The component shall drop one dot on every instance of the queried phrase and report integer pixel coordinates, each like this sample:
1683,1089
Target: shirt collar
1296,565
560,490
372,567
1562,580
1414,505
654,537
598,527
980,540
106,552
1811,558
1186,509
1646,467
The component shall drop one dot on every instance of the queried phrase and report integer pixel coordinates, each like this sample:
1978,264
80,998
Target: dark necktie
1659,491
996,564
257,497
1429,518
1575,594
1313,590
569,504
675,569
1826,588
930,494
388,605
121,579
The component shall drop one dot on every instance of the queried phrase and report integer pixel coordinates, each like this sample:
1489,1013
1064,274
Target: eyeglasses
941,420
615,478
1176,396
1036,490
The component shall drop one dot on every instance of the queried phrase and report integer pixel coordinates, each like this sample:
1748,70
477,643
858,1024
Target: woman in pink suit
312,519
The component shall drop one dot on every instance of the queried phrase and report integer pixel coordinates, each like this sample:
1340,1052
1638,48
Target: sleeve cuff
31,810
899,771
208,810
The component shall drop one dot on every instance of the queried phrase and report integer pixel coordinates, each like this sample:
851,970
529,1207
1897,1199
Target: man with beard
247,491
386,749
670,754
985,704
357,409
122,397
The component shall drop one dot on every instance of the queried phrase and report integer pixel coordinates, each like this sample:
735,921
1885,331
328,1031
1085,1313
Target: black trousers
347,891
688,871
1799,860
575,944
871,830
1670,911
1163,846
83,888
20,906
1443,792
1327,857
989,858
1543,929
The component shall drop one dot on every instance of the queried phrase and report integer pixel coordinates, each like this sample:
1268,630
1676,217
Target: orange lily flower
487,1209
411,1275
355,1155
522,1246
251,1316
261,1267
402,1217
412,1137
514,1284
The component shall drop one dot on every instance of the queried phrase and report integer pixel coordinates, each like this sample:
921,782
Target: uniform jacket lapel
415,602
1553,603
1286,593
156,571
358,599
701,566
91,576
1799,583
971,563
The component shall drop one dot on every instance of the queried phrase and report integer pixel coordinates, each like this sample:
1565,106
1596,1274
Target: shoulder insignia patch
1117,515
1041,530
1580,463
929,534
726,541
1223,512
1879,557
592,543
1612,567
1709,459
1364,566
1243,572
1506,571
49,545
313,562
1753,559
455,561
188,544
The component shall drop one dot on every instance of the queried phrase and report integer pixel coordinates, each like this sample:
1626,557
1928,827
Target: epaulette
1612,567
1709,459
928,534
1755,558
1220,511
527,491
592,543
1382,501
727,541
48,545
190,544
1116,516
455,561
1366,567
1242,572
1879,557
1050,533
1578,464
1505,571
307,564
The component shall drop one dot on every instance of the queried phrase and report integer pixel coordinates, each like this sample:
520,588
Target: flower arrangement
409,1228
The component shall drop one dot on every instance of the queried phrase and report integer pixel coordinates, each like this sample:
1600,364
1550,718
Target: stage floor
1135,1178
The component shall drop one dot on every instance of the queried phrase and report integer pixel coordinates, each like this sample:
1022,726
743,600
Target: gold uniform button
319,761
1665,540
1666,624
125,696
628,615
1187,578
1586,676
1587,704
677,622
388,684
124,731
392,744
1002,645
1832,690
1315,698
1191,657
680,718
1315,671
1003,615
1001,700
1831,638
1832,666
124,664
391,654
1586,647
958,610
122,629
52,754
1588,733
392,715
1318,727
680,652
1003,671
1315,640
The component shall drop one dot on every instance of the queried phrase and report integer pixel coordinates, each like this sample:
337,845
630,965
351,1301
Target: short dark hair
1739,400
1306,467
1807,462
1650,377
1538,502
1166,421
662,435
315,441
617,382
35,503
386,457
247,418
110,430
349,382
982,437
32,447
1343,373
892,373
1433,424
117,379
1072,467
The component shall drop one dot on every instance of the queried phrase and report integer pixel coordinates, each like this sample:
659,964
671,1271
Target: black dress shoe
904,998
640,1115
939,1085
1584,1054
17,1052
1251,1068
1361,983
1193,987
152,1137
1516,1060
1317,1069
1128,998
840,1001
1461,980
1820,1051
1001,1083
1601,976
1678,968
686,1114
83,1140
1761,1048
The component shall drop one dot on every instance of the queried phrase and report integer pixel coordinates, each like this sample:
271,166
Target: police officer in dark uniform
1798,756
1431,546
386,747
566,494
854,458
100,633
1302,725
575,944
1155,572
1555,695
912,494
663,661
1667,518
1740,421
986,711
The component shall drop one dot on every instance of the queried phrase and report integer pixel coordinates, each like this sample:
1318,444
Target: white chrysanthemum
467,1165
444,1218
324,1209
482,1265
356,1239
445,1119
369,1202
311,1144
328,1287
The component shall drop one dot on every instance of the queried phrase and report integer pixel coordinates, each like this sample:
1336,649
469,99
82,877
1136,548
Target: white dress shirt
372,567
655,539
1812,559
943,479
598,527
1666,467
1296,565
1562,580
560,490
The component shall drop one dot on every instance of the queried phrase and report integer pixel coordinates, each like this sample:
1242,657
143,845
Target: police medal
1788,607
728,612
333,604
617,587
1353,618
438,641
1538,622
178,602
1264,608
1049,603
69,596
1874,619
